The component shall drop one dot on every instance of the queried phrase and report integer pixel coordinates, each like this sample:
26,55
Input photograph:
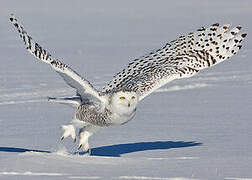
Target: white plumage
116,103
180,58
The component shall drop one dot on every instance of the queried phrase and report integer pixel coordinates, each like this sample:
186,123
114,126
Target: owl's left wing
181,58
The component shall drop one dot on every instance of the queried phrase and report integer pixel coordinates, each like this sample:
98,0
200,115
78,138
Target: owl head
124,101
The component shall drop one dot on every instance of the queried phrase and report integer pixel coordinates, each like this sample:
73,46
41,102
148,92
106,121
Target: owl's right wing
73,79
181,58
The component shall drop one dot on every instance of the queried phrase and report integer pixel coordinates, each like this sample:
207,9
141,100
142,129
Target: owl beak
128,104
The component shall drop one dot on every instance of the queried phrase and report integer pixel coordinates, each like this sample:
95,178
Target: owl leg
84,134
68,130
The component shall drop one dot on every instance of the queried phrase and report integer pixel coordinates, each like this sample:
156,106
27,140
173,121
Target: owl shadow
120,149
20,150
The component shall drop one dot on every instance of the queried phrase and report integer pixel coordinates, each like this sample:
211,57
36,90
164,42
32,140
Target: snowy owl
116,103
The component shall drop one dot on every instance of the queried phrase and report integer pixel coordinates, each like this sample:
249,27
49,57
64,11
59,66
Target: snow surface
197,128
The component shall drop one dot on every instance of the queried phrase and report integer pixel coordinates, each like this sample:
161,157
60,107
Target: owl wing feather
181,58
72,78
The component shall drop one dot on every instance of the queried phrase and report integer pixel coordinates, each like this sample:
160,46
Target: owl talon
80,146
89,151
68,130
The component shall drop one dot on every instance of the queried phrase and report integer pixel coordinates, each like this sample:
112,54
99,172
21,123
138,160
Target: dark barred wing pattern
181,58
73,79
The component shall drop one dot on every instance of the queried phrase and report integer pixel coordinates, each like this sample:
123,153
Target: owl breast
93,115
123,118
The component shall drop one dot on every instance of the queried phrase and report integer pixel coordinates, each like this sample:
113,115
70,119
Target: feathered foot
68,130
84,134
83,141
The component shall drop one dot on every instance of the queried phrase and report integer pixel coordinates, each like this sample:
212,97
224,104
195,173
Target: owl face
124,101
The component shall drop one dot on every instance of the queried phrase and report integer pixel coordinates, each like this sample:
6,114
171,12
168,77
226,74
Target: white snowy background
197,128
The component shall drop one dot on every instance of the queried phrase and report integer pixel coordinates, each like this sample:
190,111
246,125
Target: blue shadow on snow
119,149
20,150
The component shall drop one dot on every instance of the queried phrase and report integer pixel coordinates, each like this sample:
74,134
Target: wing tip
244,35
229,23
215,24
12,17
239,27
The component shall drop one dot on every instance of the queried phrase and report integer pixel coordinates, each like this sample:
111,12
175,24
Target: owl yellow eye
133,97
122,98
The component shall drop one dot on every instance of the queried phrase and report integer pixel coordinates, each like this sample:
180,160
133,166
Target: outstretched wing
181,58
73,79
